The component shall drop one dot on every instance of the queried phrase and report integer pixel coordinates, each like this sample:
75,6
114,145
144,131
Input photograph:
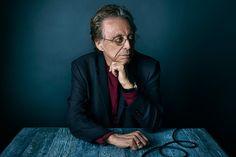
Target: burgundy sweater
113,85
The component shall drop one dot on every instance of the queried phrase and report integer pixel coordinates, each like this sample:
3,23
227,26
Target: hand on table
134,140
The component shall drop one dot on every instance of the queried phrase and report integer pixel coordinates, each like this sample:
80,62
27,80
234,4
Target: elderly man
115,86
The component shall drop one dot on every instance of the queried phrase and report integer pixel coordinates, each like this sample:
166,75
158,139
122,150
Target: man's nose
127,44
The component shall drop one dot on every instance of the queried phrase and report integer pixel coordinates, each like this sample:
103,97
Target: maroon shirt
113,85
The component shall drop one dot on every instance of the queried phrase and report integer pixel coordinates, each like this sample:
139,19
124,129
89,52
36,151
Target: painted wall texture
193,40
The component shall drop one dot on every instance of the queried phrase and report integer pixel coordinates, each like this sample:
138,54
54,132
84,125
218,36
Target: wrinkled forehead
114,26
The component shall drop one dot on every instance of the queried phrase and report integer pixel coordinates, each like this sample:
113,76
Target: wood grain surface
59,142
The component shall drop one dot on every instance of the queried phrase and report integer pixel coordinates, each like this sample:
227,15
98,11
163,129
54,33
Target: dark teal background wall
193,40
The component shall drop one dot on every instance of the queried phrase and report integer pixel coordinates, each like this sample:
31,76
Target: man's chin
124,60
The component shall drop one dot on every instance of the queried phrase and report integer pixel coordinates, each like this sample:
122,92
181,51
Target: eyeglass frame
130,38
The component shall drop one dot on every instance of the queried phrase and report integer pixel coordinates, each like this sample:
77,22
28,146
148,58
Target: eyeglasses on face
120,39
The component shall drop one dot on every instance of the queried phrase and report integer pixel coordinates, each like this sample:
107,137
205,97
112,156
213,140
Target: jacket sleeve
79,121
146,108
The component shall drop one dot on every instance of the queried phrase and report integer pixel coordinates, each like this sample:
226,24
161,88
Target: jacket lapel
121,105
103,85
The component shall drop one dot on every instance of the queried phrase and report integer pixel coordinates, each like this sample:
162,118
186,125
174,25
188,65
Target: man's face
116,44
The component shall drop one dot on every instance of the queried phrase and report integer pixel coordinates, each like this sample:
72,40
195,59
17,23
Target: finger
141,138
114,68
140,144
114,72
132,141
139,135
134,145
137,141
110,68
117,66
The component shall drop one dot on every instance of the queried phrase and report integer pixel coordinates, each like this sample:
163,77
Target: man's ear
99,45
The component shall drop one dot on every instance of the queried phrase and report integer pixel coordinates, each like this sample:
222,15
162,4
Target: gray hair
106,11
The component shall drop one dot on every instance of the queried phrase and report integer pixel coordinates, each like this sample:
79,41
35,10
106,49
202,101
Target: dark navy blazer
89,112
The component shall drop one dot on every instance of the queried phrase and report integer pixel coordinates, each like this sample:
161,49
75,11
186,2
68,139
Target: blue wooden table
58,142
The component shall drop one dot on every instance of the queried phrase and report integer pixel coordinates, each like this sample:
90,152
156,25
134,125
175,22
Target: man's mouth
125,55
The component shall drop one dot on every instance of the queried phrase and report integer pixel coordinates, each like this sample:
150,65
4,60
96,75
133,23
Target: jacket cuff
101,140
